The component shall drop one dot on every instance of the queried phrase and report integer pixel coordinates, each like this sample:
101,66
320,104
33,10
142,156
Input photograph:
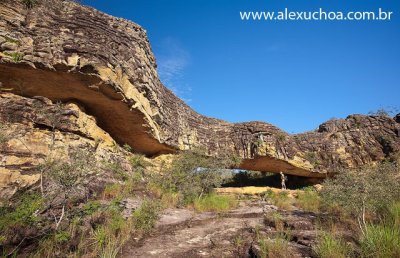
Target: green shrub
214,202
91,207
28,3
308,200
139,162
281,137
24,212
193,174
62,236
381,241
146,216
117,170
364,191
329,246
116,221
112,191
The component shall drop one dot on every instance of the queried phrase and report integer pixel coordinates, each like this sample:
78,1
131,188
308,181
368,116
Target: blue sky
292,74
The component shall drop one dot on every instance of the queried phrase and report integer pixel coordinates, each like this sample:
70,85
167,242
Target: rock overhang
68,52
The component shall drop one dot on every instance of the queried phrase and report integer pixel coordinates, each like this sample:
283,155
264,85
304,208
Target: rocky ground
240,232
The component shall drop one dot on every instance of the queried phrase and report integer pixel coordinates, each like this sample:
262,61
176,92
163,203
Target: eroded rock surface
35,131
71,53
235,233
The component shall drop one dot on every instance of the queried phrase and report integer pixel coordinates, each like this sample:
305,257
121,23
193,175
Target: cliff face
72,53
36,131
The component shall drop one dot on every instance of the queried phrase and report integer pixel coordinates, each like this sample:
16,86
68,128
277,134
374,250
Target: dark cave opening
243,178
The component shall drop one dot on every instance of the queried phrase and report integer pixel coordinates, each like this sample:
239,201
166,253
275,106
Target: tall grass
393,215
308,200
274,219
275,248
214,202
381,241
282,199
331,247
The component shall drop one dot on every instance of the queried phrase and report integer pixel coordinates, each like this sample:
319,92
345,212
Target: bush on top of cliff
192,174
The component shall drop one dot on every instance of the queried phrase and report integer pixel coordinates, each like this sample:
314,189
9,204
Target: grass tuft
281,199
331,247
381,241
274,219
215,203
145,217
308,200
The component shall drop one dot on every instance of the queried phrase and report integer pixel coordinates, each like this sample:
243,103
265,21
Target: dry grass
253,190
274,219
308,200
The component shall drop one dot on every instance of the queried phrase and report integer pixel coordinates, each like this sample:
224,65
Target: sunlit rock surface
71,53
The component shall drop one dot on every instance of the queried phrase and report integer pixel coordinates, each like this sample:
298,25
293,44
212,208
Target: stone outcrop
71,53
35,131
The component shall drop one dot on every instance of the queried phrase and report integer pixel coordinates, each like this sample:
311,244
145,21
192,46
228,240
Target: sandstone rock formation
34,131
71,53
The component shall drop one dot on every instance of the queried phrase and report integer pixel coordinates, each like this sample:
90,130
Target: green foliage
276,248
263,247
274,219
91,207
62,236
145,217
308,200
381,241
329,246
15,56
280,199
24,212
192,174
214,202
139,162
312,158
117,169
29,3
11,40
393,214
127,147
112,191
100,236
281,137
69,173
364,191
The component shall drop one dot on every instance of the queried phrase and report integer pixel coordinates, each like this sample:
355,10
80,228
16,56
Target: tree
193,174
365,190
67,174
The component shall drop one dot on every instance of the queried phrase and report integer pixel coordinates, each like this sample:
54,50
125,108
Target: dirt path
184,233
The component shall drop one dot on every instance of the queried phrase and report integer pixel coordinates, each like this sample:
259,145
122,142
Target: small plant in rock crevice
29,4
15,56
